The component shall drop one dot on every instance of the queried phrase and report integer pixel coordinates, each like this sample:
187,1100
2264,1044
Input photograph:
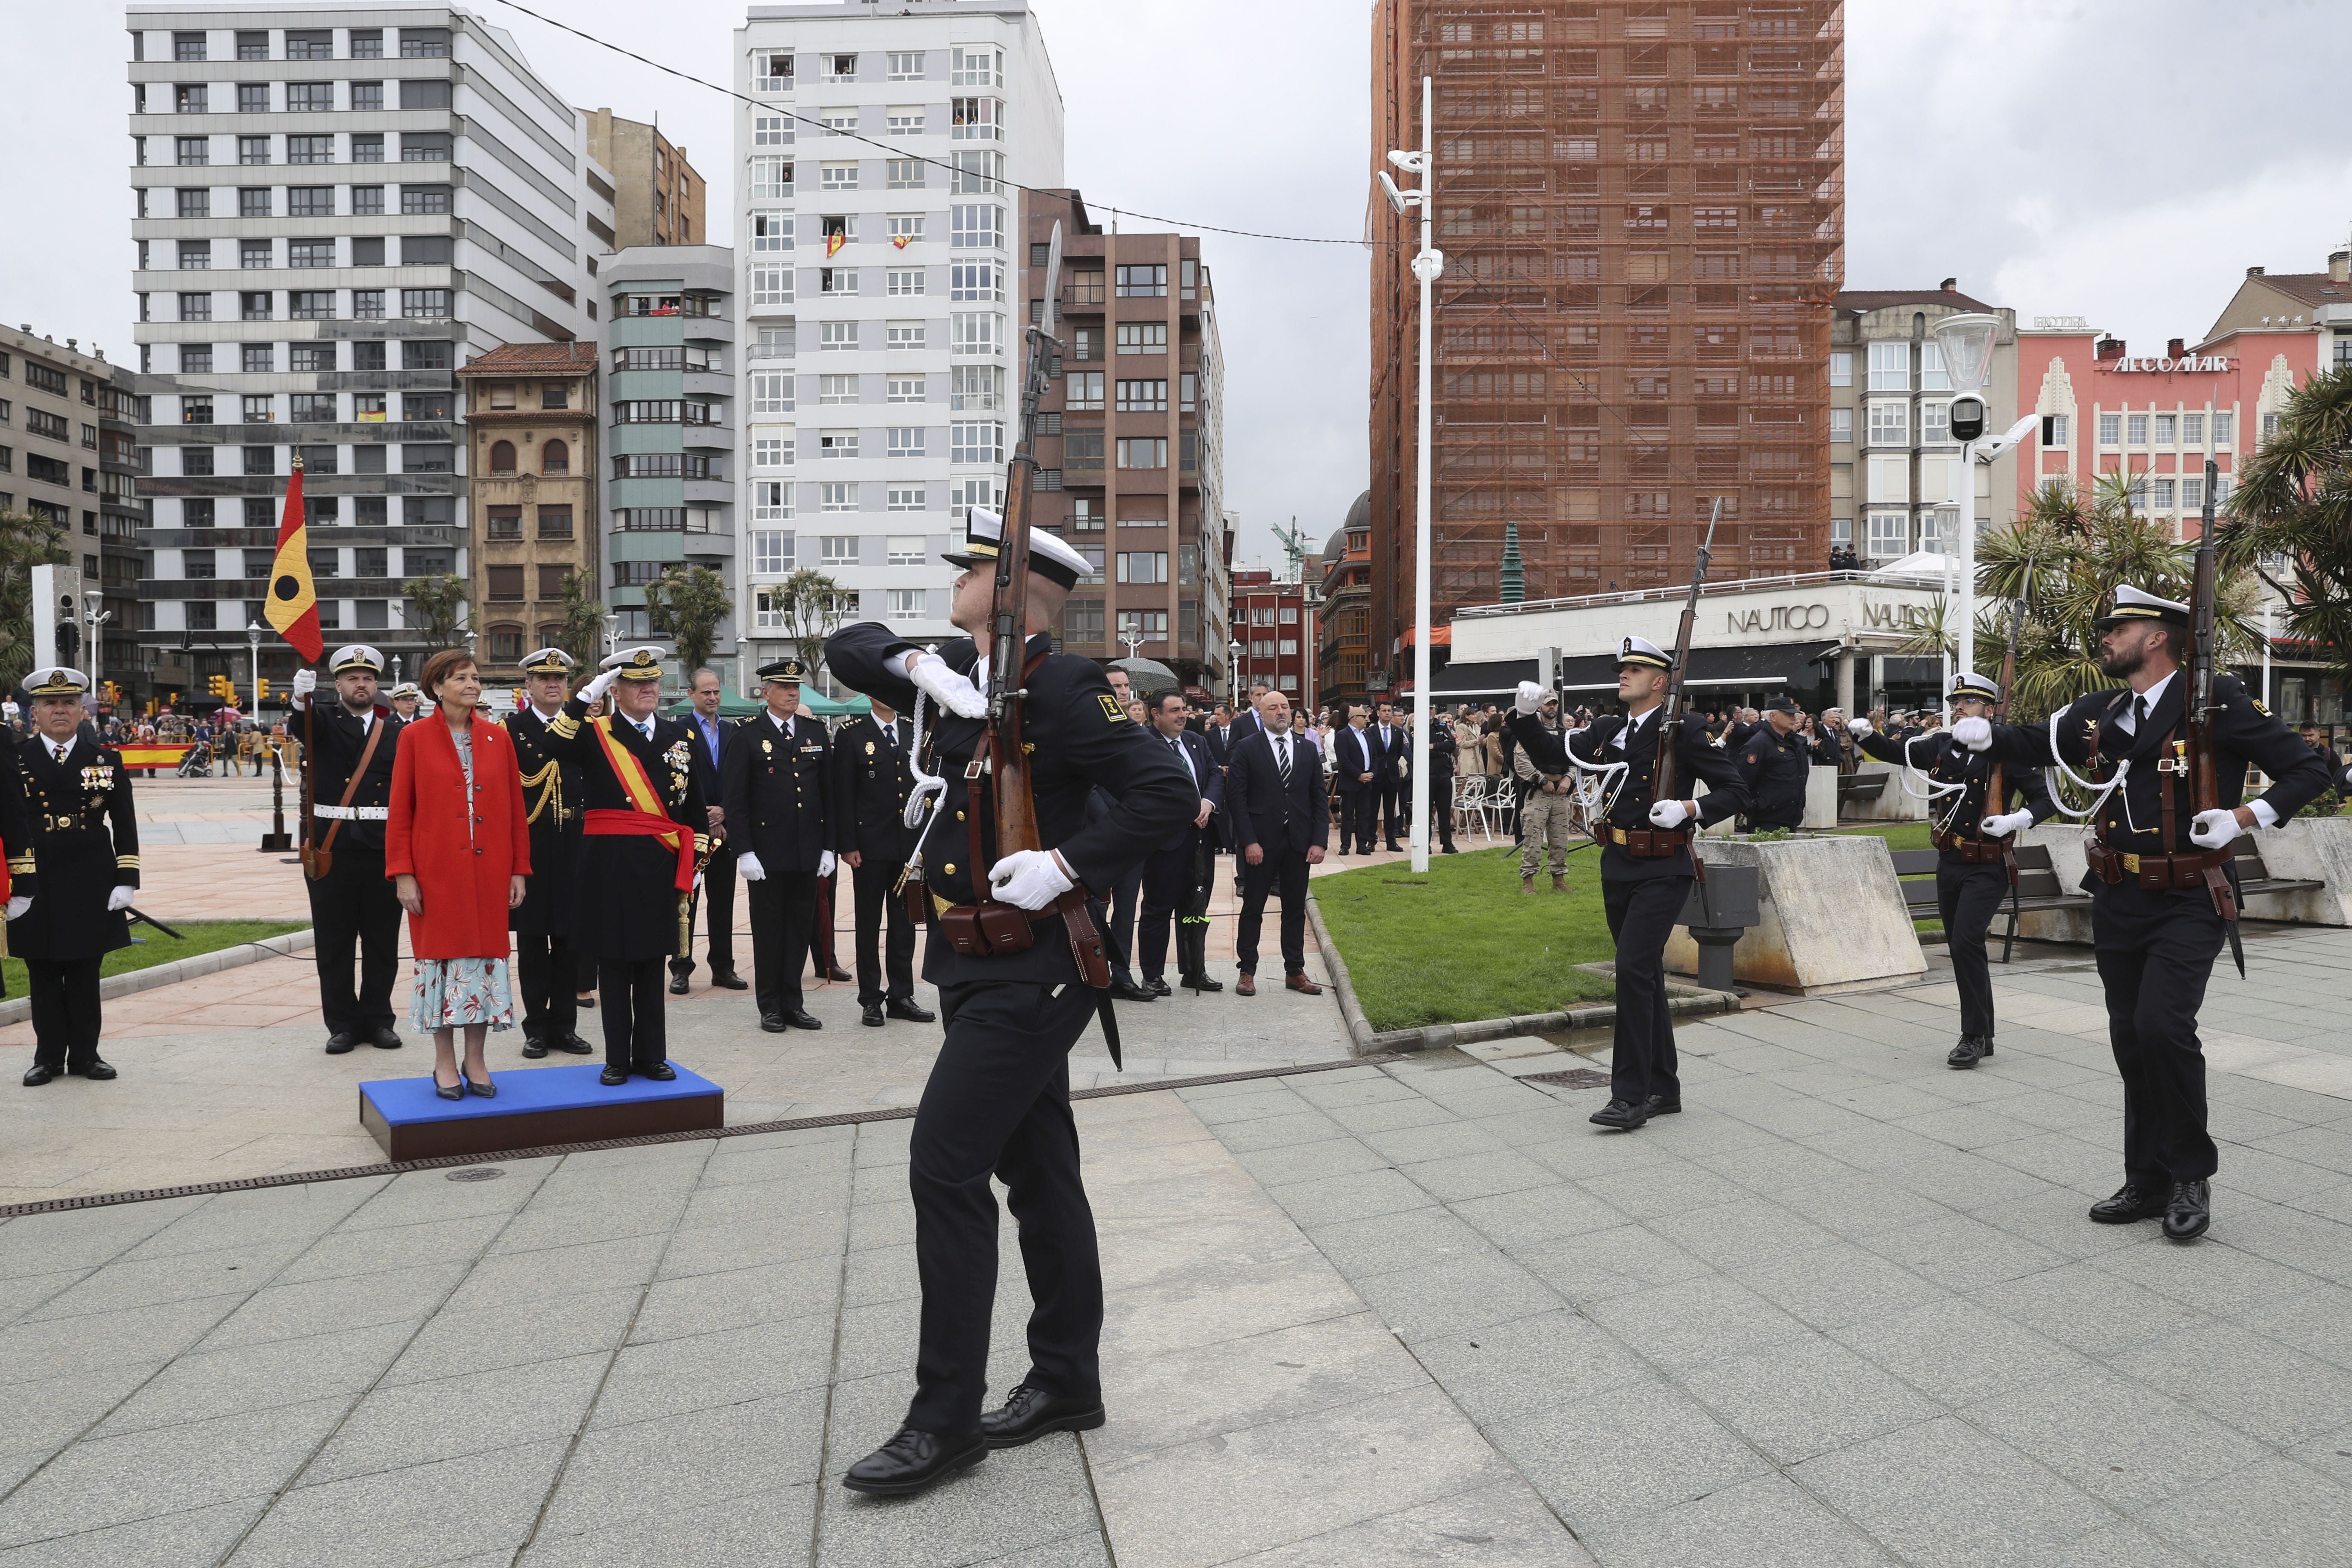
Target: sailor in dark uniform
873,775
404,699
2155,926
1645,859
1974,831
1778,766
545,961
70,879
643,834
997,1104
775,773
352,909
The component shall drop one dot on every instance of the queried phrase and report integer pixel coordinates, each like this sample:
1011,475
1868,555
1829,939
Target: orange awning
1439,636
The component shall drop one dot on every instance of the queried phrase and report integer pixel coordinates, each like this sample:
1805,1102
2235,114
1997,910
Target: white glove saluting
1976,734
1668,813
2002,827
954,693
120,898
749,865
2215,828
1531,696
1859,726
600,685
1029,878
305,681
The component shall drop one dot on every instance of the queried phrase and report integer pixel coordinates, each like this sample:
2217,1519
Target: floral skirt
453,992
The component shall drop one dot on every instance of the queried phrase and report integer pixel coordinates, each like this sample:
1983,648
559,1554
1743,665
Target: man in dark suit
1246,722
778,785
712,736
1358,759
1167,870
1274,793
1220,736
1442,755
872,777
1395,774
351,907
545,922
72,878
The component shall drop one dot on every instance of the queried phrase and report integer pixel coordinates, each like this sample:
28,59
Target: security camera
1398,199
1967,417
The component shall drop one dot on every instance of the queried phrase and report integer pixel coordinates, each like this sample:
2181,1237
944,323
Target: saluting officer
1777,766
545,922
1645,860
998,1100
352,906
775,776
70,880
872,776
1971,827
644,831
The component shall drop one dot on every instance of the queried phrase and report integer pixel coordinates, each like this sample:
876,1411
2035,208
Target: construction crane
1294,546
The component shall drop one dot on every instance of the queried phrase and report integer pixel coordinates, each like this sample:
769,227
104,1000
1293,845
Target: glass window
2136,426
906,498
906,604
1840,424
1890,367
1890,423
1890,535
904,389
2221,423
1840,368
2054,430
2165,426
2192,429
1934,424
2111,429
1932,375
1890,479
905,441
1143,337
905,550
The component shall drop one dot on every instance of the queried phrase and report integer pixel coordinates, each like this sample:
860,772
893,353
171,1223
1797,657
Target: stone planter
2308,847
1832,917
1821,799
1890,805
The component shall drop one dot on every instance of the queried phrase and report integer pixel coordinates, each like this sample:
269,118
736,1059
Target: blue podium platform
535,1107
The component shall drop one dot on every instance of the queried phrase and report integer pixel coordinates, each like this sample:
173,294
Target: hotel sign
2186,363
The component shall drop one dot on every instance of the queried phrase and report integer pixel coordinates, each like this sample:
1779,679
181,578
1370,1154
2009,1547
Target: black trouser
998,1103
717,894
1967,897
872,885
821,932
586,962
783,921
1283,871
2156,951
1396,807
545,970
64,1011
1359,817
1441,809
1167,877
354,911
1642,915
629,995
1121,937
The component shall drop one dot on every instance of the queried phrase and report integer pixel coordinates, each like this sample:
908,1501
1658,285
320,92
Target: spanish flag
833,242
293,602
900,240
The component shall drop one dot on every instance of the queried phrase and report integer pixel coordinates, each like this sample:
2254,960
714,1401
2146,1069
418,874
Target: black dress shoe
660,1072
840,976
2190,1211
1661,1105
95,1068
872,1016
1622,1114
572,1045
39,1074
912,1461
1396,848
1449,850
533,1047
585,1003
2129,1205
341,1041
803,1019
1028,1414
1972,1049
678,984
904,1007
730,981
613,1077
1156,983
383,1039
1203,982
773,1022
1128,991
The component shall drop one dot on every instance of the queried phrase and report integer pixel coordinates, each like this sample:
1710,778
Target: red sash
646,818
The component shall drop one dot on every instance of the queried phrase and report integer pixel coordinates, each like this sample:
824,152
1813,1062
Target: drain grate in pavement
1573,1077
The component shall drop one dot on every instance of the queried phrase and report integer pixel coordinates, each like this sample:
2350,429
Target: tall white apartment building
336,206
879,236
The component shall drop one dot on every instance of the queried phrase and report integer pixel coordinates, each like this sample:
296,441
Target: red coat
462,880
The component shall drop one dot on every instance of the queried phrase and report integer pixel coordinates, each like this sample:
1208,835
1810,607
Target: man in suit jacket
1220,736
1443,755
1274,793
778,781
872,777
1358,760
712,735
1248,723
1396,773
1167,870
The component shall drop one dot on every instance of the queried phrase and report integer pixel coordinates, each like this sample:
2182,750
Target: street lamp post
1130,641
253,637
1967,342
1428,266
97,617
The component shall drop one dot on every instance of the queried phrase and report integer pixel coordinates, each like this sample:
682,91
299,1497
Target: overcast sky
2125,160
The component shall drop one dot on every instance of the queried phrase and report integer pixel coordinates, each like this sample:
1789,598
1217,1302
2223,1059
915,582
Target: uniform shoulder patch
2259,706
1110,708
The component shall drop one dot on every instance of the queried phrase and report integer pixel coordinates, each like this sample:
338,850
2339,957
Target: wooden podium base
535,1108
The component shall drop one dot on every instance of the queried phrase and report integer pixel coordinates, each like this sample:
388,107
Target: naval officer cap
784,672
1049,557
1968,683
1644,652
635,663
404,691
56,680
356,655
2132,605
548,661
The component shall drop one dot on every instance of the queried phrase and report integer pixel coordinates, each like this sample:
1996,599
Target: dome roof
1336,547
1359,516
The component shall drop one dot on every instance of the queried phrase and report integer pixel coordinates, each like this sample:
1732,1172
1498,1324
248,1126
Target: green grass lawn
1463,942
152,947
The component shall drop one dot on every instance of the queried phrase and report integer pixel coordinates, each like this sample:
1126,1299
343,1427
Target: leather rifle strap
2166,796
352,785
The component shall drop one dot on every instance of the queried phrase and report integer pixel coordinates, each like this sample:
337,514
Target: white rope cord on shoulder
2098,793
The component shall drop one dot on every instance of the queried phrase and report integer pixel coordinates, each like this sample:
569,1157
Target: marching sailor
70,880
353,908
545,922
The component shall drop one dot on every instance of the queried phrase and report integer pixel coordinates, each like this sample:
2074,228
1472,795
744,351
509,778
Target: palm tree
27,540
2295,499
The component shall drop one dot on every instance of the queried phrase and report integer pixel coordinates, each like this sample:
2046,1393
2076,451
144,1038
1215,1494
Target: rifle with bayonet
1670,719
1996,783
2204,784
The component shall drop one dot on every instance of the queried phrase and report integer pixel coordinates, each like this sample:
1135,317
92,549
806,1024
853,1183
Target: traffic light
260,689
219,687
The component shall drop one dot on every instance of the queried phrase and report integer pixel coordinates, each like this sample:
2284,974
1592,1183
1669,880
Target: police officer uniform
777,783
1645,872
642,834
353,908
873,775
997,1103
546,963
78,876
1778,767
2154,924
1976,865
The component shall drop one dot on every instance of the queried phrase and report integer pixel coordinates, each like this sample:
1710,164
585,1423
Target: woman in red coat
457,845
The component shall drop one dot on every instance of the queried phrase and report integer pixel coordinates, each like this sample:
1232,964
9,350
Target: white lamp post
1428,266
1967,343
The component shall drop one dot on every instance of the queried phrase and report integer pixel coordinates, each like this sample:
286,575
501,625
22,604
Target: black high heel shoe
486,1089
450,1091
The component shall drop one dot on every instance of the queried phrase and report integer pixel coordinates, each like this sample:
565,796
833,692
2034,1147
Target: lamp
1966,343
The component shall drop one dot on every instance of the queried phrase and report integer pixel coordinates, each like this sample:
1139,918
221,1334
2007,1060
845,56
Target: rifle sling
323,857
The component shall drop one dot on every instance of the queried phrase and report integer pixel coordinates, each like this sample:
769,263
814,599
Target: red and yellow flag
900,240
833,242
293,607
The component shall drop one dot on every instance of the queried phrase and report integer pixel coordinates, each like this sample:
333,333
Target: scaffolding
1641,209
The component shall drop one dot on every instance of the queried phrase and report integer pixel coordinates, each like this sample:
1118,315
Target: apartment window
194,204
367,42
839,121
771,233
976,118
837,389
2270,425
836,444
254,307
424,43
1890,535
771,501
1143,453
1932,375
2166,426
625,574
977,441
837,177
1890,367
1841,369
903,335
771,450
367,304
367,150
253,149
771,391
2136,427
2192,492
770,130
2054,430
2192,429
257,410
252,97
1085,516
196,255
2111,429
771,180
906,282
426,199
1142,396
309,201
907,122
1142,566
1934,424
425,147
504,522
190,99
904,498
905,604
976,333
975,226
1889,479
314,408
772,73
1143,337
975,68
309,44
980,389
2162,499
841,335
905,441
189,47
771,283
904,389
1840,424
366,96
309,253
195,410
194,150
977,282
836,280
837,549
2221,429
1135,282
309,98
367,201
1083,389
906,66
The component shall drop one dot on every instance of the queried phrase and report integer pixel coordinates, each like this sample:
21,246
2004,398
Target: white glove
1668,813
2215,828
1976,734
120,898
747,864
1859,726
1529,699
697,881
825,864
954,693
1029,878
598,687
19,904
305,682
2002,827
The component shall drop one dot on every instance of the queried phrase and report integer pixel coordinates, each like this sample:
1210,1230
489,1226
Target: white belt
353,812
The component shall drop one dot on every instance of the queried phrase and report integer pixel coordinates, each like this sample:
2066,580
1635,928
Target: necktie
646,730
1282,757
890,734
2139,714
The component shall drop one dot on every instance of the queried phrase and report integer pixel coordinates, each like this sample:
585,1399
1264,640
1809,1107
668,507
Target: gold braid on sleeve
549,782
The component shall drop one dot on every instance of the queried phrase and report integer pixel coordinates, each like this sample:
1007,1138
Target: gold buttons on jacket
949,869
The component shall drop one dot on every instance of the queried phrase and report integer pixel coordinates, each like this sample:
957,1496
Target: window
253,254
2221,429
977,441
1840,424
980,389
771,283
907,122
2162,499
837,549
555,458
196,255
975,67
309,98
1889,479
772,448
1143,337
980,282
2054,430
839,121
1150,453
906,66
1143,398
905,230
836,280
1890,535
975,226
905,441
367,304
1841,369
1143,282
772,73
626,573
904,389
976,333
189,99
1142,566
837,389
2270,425
771,392
256,359
2220,485
2165,429
906,604
771,179
194,204
837,177
367,42
906,498
502,457
2192,492
906,282
195,410
258,410
425,147
253,149
1890,367
1083,389
194,150
771,131
2135,428
1082,451
903,335
311,253
1932,375
904,173
772,552
980,174
503,521
2192,429
424,199
976,120
367,201
313,408
191,46
2111,429
252,97
425,304
842,335
1934,424
1936,477
366,149
1150,625
836,444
